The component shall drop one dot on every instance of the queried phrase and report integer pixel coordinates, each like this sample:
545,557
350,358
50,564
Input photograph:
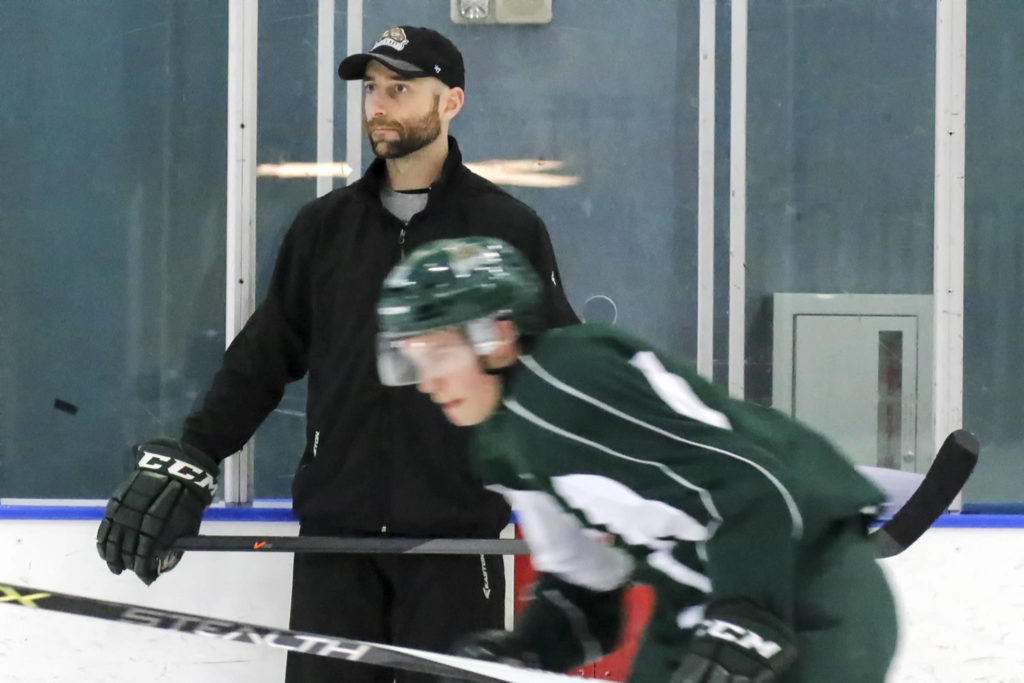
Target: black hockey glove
498,645
495,645
563,626
158,503
738,642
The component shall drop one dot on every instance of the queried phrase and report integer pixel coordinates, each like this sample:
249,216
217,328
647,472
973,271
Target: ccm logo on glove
178,468
723,630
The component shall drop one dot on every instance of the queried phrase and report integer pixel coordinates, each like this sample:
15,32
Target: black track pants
420,601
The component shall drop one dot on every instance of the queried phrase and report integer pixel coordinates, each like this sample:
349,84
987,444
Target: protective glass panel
112,209
840,149
286,133
994,254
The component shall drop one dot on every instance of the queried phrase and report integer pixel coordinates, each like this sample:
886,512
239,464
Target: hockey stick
949,471
364,652
945,478
330,544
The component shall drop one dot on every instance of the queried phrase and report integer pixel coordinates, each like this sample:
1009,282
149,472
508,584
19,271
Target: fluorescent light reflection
519,172
298,169
524,172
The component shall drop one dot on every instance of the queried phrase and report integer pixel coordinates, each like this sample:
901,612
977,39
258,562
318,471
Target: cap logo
394,38
437,68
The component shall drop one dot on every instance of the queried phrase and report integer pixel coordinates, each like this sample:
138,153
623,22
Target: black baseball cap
412,51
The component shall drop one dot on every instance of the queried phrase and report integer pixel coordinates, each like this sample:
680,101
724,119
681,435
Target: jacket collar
374,178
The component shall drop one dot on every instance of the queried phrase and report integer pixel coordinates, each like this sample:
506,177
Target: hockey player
625,466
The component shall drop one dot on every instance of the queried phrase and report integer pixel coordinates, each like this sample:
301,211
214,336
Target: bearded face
392,138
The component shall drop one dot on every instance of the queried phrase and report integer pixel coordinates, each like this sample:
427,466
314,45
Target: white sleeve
560,545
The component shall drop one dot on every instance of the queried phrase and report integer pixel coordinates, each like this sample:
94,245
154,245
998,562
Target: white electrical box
858,369
501,11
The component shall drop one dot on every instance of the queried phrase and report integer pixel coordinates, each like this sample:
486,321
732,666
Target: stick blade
945,478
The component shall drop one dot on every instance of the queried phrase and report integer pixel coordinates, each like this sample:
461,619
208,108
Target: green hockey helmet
465,282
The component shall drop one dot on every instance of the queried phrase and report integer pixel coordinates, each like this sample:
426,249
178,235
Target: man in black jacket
378,460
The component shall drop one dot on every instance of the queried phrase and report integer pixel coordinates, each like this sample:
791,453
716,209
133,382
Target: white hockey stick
297,641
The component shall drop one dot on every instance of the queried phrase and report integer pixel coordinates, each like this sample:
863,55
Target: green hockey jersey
624,465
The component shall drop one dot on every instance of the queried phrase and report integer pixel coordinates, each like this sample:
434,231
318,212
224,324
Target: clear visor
410,360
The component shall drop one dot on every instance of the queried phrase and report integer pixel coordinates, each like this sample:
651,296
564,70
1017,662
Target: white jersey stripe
661,557
518,409
637,520
676,392
560,545
663,561
794,511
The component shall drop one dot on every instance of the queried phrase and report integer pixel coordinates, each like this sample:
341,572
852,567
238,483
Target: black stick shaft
945,478
374,545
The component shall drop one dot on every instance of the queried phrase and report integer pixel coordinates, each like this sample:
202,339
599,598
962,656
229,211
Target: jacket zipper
401,250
